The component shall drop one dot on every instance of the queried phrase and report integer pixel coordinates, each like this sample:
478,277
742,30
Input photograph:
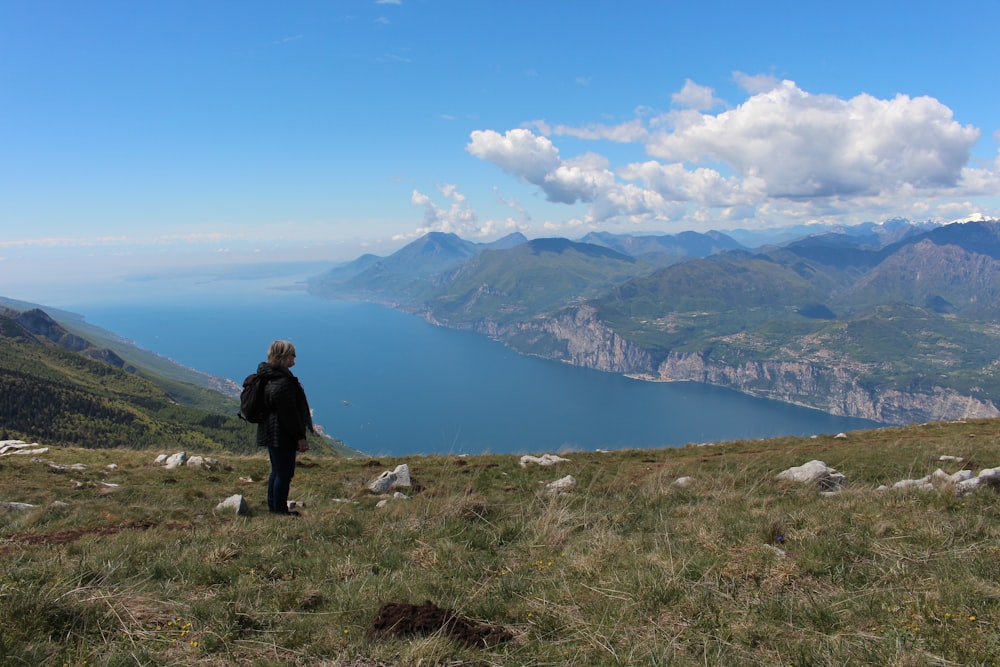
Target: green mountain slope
533,278
57,388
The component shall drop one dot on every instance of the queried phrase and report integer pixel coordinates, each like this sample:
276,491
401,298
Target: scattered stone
248,480
396,496
235,503
815,472
683,482
391,479
8,447
175,460
543,460
956,459
961,482
17,507
206,462
780,553
111,466
39,451
986,477
564,485
76,467
292,504
841,435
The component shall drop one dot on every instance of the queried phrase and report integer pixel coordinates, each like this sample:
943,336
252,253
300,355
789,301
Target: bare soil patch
402,619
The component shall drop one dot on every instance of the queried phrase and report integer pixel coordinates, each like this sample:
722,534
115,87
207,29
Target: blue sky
140,134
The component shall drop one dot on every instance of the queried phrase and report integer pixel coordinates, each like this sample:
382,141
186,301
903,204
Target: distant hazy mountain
665,249
891,321
887,231
402,274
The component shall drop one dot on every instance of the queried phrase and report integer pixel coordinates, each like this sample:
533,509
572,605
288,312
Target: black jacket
288,417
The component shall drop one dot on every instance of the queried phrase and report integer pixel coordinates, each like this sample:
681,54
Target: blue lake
388,383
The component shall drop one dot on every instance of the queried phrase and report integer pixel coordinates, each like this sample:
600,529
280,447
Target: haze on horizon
165,137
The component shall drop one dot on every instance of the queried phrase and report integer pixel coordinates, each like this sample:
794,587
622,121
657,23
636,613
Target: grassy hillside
627,568
536,277
61,397
187,385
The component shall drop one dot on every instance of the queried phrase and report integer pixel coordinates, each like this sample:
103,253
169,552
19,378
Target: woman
283,432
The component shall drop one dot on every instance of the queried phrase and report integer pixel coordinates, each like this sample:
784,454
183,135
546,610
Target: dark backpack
253,403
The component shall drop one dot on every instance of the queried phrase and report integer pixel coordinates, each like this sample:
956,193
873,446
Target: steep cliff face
590,343
829,388
579,337
576,336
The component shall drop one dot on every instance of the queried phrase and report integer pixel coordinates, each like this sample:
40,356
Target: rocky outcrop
39,323
577,336
830,388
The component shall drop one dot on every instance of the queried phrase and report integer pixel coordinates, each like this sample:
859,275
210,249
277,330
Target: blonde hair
279,352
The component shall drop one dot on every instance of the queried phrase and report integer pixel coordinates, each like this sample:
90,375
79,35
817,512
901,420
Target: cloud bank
782,156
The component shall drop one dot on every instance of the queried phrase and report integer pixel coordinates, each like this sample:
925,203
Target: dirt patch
401,619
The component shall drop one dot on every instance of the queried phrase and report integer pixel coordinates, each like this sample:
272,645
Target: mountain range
895,322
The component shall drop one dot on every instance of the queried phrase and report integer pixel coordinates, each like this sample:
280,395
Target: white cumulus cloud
783,154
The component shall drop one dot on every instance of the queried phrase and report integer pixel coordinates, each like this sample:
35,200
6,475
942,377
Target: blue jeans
280,479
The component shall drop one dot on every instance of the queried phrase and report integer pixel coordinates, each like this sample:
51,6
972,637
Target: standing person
283,432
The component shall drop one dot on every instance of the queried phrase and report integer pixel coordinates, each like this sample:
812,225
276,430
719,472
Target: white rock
42,450
562,485
946,457
17,507
989,473
235,502
76,467
543,460
175,461
391,479
815,472
161,459
922,484
683,482
402,473
21,447
206,462
840,435
962,475
807,472
968,485
985,477
940,476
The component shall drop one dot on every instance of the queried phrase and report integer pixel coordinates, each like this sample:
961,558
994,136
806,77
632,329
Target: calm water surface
389,383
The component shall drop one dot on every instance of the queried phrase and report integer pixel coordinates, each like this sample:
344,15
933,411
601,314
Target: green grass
627,569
